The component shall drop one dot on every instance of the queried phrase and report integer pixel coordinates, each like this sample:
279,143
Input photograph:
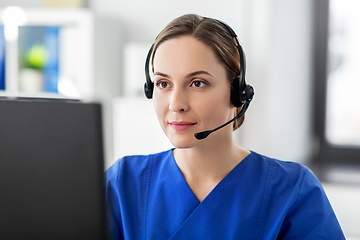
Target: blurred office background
302,59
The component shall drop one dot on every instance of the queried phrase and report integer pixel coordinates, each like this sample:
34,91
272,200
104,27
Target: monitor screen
51,170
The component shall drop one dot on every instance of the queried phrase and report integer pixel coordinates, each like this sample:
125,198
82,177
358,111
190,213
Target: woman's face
192,93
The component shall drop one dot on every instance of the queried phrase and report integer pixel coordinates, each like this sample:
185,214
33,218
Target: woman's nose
178,101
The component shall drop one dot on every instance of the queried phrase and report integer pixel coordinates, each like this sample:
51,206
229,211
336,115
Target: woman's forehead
185,52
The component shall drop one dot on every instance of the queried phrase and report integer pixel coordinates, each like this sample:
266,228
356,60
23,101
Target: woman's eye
198,84
162,84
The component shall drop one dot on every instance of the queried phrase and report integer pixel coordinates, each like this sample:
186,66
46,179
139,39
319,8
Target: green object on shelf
36,56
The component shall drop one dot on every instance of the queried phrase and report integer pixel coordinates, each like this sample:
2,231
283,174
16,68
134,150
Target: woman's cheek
160,109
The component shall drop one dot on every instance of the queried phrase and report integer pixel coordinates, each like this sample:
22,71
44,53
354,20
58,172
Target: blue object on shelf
51,69
2,59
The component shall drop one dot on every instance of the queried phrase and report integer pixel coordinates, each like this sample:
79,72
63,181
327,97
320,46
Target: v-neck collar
215,189
173,210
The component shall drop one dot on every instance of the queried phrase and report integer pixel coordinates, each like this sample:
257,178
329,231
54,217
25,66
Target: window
337,81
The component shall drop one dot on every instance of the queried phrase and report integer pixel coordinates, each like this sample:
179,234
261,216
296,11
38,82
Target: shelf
76,49
40,95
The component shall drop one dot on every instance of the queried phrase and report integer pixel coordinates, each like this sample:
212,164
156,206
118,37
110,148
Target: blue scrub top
147,197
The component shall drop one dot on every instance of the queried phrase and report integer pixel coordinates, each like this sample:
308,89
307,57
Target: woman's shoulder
296,197
284,176
135,164
279,167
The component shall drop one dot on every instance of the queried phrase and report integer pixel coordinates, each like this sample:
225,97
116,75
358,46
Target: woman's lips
181,126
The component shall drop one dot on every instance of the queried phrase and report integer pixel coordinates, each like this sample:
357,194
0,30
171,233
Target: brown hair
212,33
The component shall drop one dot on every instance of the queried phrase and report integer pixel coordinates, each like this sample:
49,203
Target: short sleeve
112,201
311,215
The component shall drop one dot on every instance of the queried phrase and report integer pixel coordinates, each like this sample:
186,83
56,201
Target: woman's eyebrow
161,74
187,76
197,73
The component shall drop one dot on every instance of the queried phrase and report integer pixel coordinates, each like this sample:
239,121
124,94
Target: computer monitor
51,170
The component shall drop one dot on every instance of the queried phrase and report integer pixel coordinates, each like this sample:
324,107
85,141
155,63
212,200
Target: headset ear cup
239,96
249,93
149,85
148,89
235,93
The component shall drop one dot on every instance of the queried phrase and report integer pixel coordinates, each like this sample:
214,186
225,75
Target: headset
241,92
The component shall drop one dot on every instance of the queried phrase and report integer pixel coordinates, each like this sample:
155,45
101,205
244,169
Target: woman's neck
204,166
210,161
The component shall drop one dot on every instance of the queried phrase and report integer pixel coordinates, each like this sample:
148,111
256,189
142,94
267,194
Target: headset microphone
202,135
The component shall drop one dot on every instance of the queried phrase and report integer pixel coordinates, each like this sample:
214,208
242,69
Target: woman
208,187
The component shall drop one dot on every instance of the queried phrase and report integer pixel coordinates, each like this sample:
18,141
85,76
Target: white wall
345,202
279,67
144,19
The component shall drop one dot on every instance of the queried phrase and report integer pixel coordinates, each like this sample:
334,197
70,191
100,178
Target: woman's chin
183,142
